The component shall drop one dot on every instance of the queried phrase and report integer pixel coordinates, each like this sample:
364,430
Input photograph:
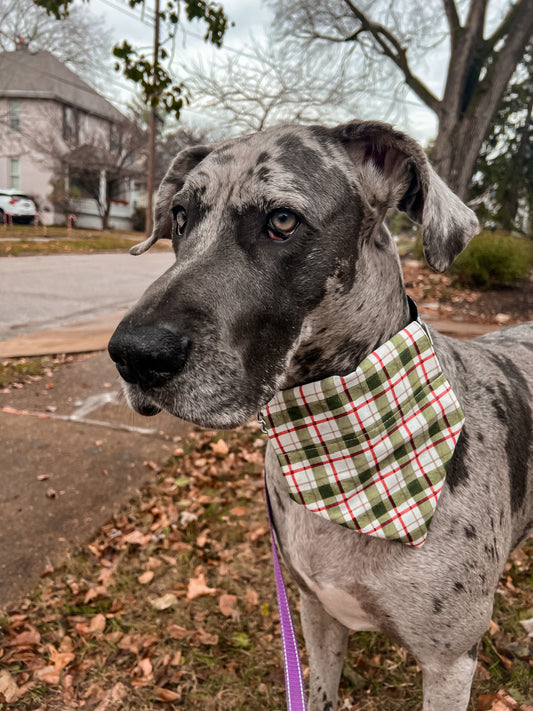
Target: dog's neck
349,324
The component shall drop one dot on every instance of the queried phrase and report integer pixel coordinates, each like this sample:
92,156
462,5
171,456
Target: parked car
18,205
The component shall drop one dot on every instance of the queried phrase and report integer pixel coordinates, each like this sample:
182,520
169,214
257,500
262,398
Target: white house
55,128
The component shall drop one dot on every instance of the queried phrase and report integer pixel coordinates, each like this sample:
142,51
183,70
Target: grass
24,370
23,239
17,371
96,630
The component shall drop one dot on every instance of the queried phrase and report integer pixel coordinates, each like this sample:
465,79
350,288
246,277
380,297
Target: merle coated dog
285,274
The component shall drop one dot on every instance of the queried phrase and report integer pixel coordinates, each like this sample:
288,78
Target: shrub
494,259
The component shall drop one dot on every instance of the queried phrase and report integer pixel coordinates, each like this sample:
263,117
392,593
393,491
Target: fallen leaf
60,660
239,511
113,699
166,694
67,645
251,598
48,674
177,632
8,686
137,538
528,626
198,587
176,659
500,701
146,577
227,605
98,623
142,674
153,563
220,448
164,602
206,637
69,692
28,638
202,538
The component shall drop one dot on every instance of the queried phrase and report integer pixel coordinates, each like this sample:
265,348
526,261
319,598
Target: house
65,145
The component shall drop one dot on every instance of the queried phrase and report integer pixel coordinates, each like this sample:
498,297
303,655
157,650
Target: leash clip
262,422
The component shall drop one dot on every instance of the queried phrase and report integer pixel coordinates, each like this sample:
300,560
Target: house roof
40,75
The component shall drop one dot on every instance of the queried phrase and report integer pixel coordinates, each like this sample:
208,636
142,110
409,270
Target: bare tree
272,82
69,39
100,167
94,162
483,49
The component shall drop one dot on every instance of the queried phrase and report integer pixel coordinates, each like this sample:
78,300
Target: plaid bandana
369,450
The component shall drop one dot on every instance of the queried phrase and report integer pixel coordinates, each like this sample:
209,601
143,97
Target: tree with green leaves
154,81
504,170
157,86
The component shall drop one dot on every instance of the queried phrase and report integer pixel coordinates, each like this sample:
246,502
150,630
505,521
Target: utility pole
152,132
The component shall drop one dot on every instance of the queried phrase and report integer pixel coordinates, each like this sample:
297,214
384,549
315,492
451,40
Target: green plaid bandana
369,450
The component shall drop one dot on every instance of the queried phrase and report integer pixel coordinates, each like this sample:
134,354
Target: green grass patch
23,370
22,240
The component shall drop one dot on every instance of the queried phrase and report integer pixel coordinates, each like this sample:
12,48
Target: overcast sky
251,18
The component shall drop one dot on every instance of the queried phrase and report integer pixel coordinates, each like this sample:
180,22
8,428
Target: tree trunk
469,101
456,149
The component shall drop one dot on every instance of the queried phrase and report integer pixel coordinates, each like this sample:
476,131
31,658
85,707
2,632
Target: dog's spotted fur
262,315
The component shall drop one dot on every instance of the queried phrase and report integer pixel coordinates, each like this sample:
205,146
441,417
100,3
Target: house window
14,116
70,125
14,173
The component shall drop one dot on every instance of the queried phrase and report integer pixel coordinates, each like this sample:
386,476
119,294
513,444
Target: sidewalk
72,450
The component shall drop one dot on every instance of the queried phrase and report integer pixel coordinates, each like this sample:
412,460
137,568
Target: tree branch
452,16
508,22
391,48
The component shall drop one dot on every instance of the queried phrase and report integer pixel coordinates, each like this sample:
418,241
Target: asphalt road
44,291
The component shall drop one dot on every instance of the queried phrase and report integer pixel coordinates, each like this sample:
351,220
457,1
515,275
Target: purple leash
294,682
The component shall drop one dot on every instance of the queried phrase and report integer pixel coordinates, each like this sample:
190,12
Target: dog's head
284,271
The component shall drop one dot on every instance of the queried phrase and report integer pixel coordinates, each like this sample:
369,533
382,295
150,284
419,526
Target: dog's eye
281,224
181,220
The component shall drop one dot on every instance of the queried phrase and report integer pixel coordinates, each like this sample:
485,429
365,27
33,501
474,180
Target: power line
129,13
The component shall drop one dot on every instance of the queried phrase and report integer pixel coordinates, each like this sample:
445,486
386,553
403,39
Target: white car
18,205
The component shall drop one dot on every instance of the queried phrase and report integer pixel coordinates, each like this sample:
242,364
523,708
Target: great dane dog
286,274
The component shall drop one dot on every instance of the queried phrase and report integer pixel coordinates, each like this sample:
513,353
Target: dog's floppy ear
395,172
173,181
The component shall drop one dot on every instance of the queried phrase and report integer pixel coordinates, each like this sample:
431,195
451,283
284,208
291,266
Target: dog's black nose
148,356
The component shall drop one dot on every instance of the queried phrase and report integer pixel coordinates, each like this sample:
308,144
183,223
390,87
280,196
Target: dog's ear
395,172
183,163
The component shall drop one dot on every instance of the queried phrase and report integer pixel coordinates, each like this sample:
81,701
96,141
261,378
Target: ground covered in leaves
172,606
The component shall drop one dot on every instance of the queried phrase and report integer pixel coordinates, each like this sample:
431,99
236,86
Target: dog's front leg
447,684
326,641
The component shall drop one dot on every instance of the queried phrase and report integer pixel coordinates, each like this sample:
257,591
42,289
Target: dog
285,274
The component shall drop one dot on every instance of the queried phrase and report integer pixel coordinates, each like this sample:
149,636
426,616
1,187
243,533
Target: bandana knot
369,450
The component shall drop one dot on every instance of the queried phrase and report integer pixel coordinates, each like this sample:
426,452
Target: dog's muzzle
148,356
